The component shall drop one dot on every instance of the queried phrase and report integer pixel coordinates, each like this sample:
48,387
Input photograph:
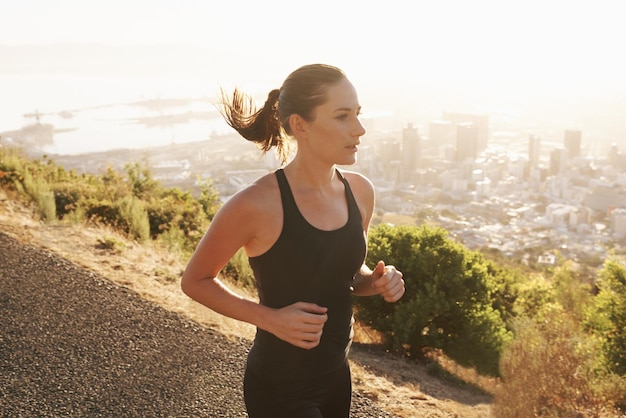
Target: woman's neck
310,176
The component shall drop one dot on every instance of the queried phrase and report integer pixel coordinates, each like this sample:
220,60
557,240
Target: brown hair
268,127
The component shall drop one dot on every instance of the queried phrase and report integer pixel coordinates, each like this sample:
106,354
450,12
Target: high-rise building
411,148
442,133
390,151
534,150
571,141
616,158
480,121
467,141
558,161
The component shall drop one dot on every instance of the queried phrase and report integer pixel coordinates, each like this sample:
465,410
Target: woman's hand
388,282
300,324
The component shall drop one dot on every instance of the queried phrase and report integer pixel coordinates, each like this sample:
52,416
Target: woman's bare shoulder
259,195
358,182
363,191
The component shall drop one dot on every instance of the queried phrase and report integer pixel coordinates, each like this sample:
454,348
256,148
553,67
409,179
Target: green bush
534,295
111,244
127,216
174,240
40,193
209,197
607,316
132,218
178,210
132,202
139,177
238,269
66,198
448,303
100,212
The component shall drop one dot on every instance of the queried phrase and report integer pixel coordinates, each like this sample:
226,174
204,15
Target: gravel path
73,343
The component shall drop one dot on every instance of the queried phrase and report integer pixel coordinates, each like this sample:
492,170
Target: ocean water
100,113
95,113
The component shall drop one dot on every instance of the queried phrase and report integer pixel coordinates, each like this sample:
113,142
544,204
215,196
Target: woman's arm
230,230
237,225
383,280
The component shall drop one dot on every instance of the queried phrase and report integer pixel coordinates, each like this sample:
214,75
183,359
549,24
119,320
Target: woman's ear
298,126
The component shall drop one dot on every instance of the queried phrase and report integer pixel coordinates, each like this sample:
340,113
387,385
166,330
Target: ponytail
268,127
261,126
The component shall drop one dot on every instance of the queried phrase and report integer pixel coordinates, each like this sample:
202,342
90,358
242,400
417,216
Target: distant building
442,133
480,121
447,152
392,171
558,161
483,187
579,216
467,141
616,158
618,222
411,150
602,198
559,214
534,150
390,151
572,141
612,156
547,259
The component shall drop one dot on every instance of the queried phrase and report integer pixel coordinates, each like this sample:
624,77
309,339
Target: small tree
448,302
140,179
608,316
209,197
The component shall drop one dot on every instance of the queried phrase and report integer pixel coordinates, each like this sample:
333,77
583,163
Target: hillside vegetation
553,344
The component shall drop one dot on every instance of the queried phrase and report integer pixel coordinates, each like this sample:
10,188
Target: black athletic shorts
327,396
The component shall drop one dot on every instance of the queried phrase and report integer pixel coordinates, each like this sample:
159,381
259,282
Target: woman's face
334,133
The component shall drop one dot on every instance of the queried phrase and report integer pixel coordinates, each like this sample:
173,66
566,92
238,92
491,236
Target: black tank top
307,264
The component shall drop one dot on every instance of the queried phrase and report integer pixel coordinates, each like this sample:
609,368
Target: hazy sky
493,42
557,63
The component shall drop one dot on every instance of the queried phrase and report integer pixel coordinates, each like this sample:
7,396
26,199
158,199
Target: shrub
127,215
448,302
132,203
39,191
111,244
550,370
133,218
66,199
140,180
173,239
100,212
608,315
209,197
173,207
238,269
76,216
535,294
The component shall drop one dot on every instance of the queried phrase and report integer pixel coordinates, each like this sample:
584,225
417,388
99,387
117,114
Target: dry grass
403,388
